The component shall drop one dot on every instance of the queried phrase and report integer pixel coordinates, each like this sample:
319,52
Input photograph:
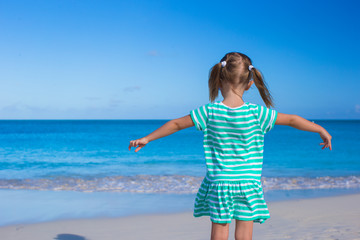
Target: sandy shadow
67,236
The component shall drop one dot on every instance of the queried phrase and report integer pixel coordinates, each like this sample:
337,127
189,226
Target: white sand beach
335,217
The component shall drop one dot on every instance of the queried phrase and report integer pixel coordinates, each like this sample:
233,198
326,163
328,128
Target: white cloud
132,88
92,98
113,103
357,108
153,53
20,107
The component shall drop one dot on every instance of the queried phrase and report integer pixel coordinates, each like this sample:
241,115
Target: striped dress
233,146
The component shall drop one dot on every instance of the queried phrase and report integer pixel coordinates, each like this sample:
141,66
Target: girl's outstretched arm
305,125
168,128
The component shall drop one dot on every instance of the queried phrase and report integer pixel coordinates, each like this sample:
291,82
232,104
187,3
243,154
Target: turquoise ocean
61,169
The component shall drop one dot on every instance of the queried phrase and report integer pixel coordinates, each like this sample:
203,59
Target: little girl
233,143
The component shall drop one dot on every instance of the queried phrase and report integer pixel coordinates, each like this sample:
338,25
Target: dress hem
255,219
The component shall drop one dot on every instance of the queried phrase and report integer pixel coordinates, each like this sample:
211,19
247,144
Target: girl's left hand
141,142
326,137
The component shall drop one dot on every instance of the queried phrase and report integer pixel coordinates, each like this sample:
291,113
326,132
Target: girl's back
233,139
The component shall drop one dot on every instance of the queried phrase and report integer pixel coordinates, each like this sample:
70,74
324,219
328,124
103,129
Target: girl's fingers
136,143
140,147
327,144
132,144
323,144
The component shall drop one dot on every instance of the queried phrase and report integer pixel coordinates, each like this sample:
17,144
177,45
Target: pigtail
214,81
261,86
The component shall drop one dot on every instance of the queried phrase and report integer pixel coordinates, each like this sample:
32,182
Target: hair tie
223,63
251,67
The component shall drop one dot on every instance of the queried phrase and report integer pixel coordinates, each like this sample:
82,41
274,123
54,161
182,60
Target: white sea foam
169,184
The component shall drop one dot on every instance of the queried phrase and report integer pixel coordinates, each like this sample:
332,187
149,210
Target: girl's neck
231,98
233,103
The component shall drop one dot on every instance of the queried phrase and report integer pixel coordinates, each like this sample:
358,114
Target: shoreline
335,217
34,206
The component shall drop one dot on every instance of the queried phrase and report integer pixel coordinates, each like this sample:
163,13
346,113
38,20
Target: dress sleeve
267,118
200,117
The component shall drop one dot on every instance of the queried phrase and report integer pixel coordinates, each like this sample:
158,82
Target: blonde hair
236,72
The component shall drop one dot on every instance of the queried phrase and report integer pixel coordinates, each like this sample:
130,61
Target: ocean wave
168,184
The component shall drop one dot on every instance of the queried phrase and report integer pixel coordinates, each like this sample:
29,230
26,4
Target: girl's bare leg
243,230
219,231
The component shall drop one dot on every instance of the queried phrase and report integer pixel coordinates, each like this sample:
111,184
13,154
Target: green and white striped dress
233,145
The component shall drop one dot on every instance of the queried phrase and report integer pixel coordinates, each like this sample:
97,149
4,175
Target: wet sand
335,217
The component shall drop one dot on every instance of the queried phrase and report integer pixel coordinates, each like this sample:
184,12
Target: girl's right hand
326,137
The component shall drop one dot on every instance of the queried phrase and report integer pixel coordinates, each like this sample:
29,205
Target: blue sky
64,59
